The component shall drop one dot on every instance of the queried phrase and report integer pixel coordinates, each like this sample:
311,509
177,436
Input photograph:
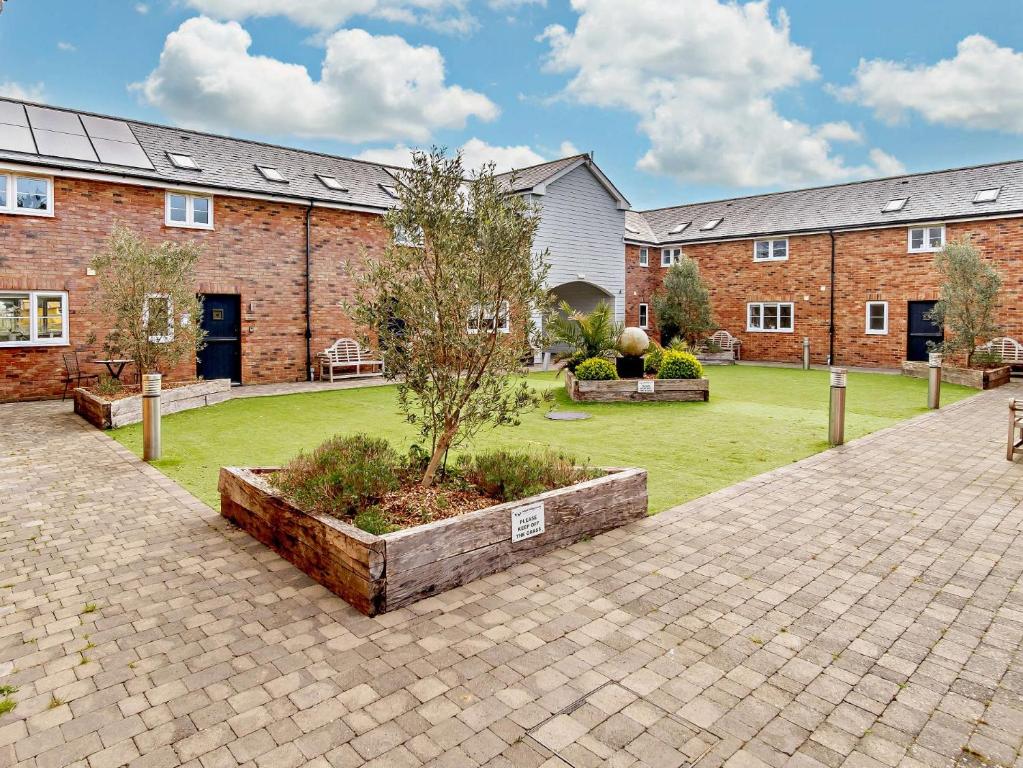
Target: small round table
116,367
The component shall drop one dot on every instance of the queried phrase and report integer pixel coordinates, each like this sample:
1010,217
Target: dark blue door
221,358
921,330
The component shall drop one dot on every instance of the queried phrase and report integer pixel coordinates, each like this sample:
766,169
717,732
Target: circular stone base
566,415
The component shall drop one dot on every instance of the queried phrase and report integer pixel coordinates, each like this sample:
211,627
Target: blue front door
221,358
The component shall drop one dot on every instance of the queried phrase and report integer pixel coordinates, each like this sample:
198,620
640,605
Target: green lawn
757,419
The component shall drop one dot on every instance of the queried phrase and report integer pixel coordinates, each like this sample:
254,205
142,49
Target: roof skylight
987,195
331,182
179,160
895,205
710,225
390,189
270,174
678,228
632,230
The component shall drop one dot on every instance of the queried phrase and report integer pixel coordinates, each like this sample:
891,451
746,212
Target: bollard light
934,380
806,353
836,416
151,442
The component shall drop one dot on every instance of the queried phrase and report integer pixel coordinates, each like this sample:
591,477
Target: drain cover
567,415
613,726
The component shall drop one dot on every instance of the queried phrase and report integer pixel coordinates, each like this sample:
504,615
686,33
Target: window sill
178,225
33,344
24,212
925,250
767,261
770,330
876,333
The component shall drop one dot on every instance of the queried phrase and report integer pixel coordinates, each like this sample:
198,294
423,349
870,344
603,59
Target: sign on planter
645,386
527,521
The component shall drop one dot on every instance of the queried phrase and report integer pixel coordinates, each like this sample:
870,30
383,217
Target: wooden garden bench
346,353
1015,444
1009,350
727,342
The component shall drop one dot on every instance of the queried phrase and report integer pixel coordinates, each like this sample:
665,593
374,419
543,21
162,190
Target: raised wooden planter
716,358
627,390
380,573
108,414
978,378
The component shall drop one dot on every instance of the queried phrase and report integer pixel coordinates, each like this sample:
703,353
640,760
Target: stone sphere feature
633,341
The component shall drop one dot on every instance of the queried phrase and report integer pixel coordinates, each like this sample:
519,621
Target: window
411,239
773,317
189,211
331,182
710,225
185,162
678,228
925,239
670,256
390,189
644,316
644,257
33,318
877,318
158,317
987,195
27,195
770,250
486,320
895,205
271,174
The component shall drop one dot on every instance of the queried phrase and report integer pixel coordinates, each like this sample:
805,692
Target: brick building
284,230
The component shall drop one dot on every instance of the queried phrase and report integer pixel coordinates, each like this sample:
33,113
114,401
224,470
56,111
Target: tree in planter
682,307
968,298
450,301
589,334
147,300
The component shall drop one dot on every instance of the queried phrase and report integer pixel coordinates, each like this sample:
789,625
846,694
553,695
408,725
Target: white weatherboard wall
583,230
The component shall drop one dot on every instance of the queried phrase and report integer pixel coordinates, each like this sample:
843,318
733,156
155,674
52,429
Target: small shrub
652,359
680,365
596,369
985,358
512,475
108,386
342,477
678,344
373,521
572,362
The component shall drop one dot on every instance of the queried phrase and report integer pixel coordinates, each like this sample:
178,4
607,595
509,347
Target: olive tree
147,300
682,306
968,298
450,301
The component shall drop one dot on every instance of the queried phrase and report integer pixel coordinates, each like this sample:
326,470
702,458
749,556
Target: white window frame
483,317
670,256
772,247
189,222
159,338
925,248
643,316
10,181
644,257
763,305
873,331
409,239
33,319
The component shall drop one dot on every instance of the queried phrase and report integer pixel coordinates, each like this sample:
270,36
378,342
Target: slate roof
932,196
524,179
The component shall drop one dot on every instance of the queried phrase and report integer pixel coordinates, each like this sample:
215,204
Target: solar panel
121,153
55,120
12,114
16,138
67,145
103,128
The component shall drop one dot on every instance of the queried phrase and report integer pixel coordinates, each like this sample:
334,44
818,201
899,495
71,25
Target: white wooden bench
1009,350
346,353
727,342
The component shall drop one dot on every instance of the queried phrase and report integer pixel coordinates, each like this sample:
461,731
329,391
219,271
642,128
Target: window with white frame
184,210
486,320
926,239
33,318
644,316
412,239
158,317
670,256
877,318
27,195
770,250
769,316
644,257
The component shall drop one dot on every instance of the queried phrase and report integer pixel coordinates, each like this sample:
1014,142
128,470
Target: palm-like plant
589,334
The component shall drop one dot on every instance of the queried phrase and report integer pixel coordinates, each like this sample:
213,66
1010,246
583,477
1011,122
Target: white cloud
475,153
68,47
567,149
505,5
371,88
442,15
141,8
705,93
13,90
981,87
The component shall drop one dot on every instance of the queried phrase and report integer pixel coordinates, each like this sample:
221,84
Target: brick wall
257,250
871,265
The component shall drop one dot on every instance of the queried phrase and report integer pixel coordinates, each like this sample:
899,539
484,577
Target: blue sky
679,100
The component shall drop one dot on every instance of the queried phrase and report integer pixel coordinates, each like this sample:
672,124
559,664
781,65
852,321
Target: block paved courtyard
863,607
